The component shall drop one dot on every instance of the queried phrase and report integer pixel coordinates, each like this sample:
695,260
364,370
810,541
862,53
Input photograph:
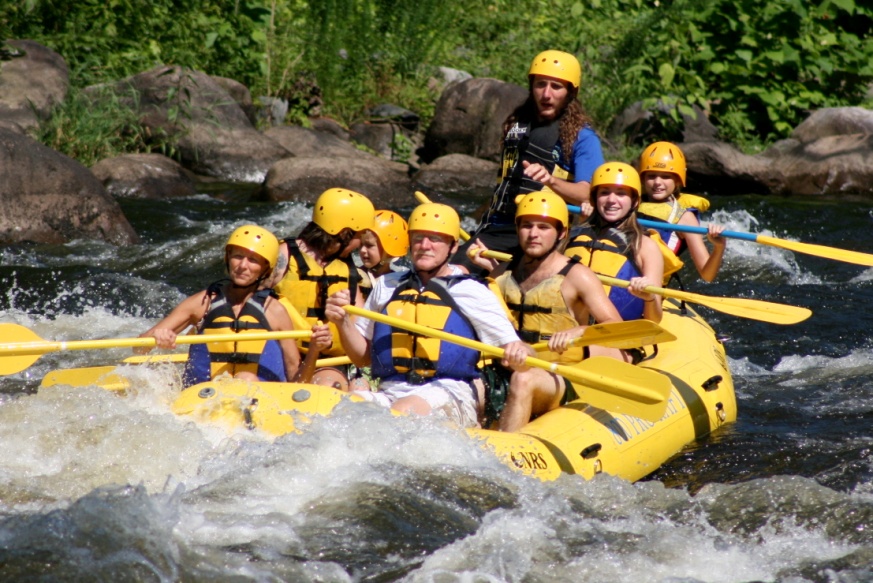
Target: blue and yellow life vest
399,355
260,357
307,285
540,312
608,253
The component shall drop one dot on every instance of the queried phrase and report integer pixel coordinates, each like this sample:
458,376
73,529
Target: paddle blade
622,335
102,376
11,361
770,312
607,379
843,255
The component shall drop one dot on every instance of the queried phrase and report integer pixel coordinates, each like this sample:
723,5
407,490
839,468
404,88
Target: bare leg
330,377
610,352
412,404
533,391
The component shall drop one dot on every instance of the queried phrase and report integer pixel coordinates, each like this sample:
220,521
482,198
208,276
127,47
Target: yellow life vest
672,263
541,312
307,285
608,253
672,211
669,242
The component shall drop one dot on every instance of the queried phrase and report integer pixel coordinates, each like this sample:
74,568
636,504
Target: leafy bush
93,127
756,68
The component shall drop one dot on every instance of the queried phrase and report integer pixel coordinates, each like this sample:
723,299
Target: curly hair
571,119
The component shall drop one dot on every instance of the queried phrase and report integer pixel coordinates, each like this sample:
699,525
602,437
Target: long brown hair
571,119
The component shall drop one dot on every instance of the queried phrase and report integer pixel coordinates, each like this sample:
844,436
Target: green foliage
756,68
92,127
105,40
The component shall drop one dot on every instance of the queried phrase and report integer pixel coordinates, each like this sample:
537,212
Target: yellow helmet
257,240
437,218
559,65
617,173
337,209
393,233
543,204
664,157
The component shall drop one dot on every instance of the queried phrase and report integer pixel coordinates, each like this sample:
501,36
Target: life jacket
401,355
307,285
541,312
671,211
609,253
537,144
260,357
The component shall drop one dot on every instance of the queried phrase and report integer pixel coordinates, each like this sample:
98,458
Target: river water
96,486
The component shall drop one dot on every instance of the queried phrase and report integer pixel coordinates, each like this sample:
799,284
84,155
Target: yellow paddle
26,347
844,255
623,335
753,309
611,384
98,375
770,312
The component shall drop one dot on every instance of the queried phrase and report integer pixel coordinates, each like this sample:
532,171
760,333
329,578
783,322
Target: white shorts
447,397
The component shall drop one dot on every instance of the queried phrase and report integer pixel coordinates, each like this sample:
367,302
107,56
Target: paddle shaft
770,312
610,385
44,346
823,251
423,199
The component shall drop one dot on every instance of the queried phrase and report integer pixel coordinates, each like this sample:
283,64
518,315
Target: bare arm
652,264
572,192
281,267
279,319
321,339
356,346
707,264
187,313
584,296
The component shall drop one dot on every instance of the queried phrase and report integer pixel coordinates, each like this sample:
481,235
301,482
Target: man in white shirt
420,374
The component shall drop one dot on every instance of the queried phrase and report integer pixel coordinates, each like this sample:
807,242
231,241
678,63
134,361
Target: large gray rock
303,179
834,164
717,167
309,143
47,197
144,176
31,85
213,135
834,121
457,173
469,118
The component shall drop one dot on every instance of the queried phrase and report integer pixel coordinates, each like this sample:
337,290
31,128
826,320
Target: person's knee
330,377
522,385
412,404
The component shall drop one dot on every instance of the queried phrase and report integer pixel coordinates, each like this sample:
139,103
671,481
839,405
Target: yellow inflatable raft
575,439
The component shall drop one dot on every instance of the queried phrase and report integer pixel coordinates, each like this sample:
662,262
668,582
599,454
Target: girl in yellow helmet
548,144
663,171
612,242
238,304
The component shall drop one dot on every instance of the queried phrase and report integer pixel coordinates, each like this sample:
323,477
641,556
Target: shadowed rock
144,176
31,85
46,197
